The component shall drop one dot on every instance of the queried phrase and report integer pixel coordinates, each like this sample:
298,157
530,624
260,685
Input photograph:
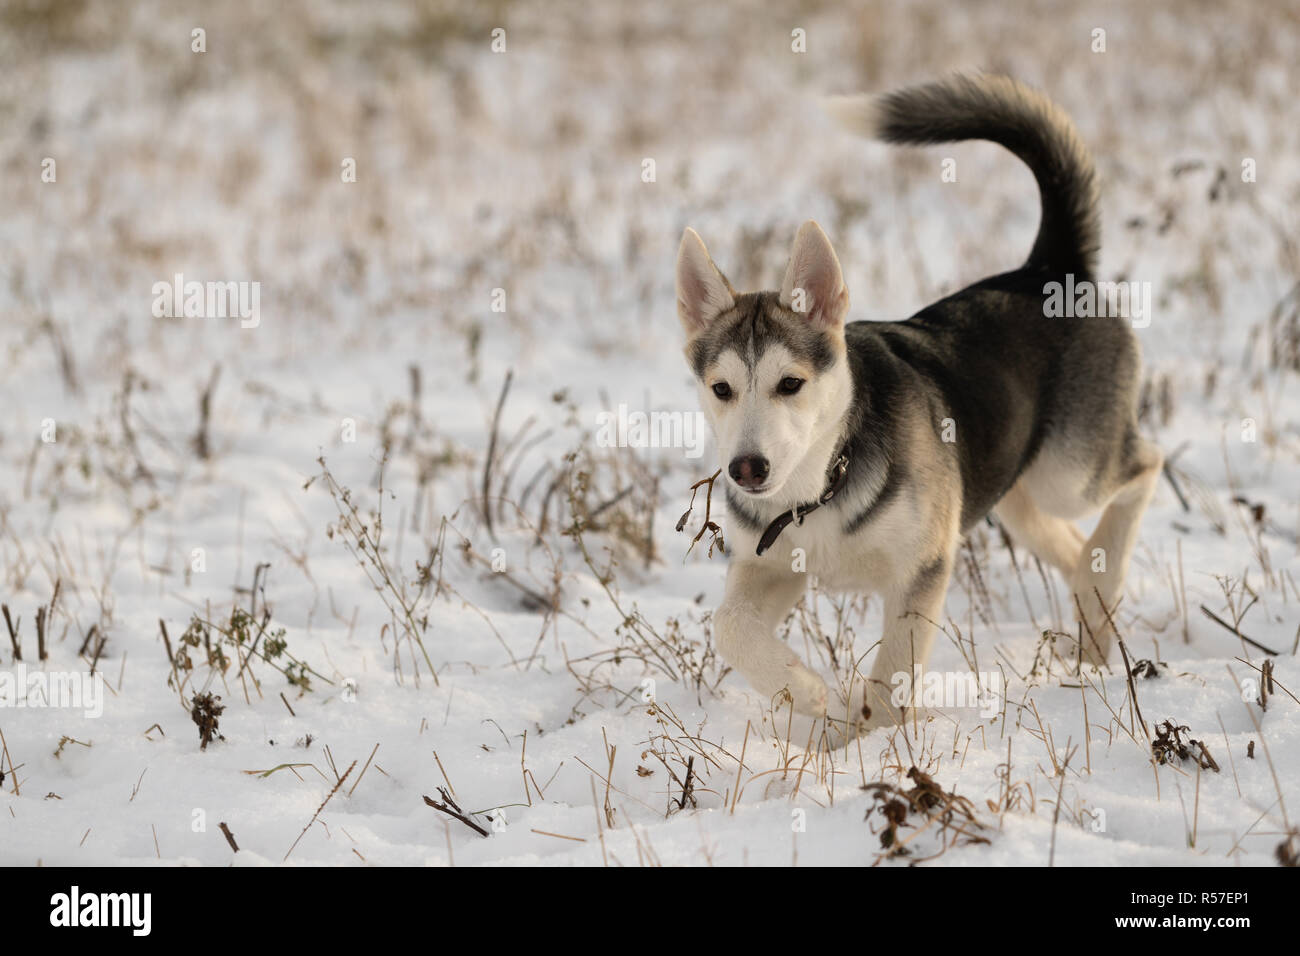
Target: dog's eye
722,390
789,385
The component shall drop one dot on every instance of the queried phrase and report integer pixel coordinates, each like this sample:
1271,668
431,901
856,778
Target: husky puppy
875,446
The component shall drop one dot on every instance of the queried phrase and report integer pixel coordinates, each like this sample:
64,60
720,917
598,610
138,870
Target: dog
873,447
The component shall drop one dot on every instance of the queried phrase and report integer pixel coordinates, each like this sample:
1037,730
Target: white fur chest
870,559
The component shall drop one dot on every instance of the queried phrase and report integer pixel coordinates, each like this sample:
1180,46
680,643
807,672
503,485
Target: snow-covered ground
501,228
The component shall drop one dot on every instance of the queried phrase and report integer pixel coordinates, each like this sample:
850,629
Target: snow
522,171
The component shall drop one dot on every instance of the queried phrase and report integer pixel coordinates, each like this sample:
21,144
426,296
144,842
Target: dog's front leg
911,613
757,600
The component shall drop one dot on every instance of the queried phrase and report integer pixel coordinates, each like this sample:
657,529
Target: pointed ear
813,282
702,293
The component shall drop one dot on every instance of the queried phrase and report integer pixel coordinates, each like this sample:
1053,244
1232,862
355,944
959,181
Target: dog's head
771,366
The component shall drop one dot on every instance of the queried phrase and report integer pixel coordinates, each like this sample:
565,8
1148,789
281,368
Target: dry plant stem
252,648
1056,813
1236,631
363,770
740,766
1267,755
491,454
320,808
1182,589
1268,680
124,415
13,632
634,619
226,632
171,659
1132,687
1088,628
611,752
367,553
202,448
1168,471
230,837
450,808
13,771
1128,664
99,649
44,617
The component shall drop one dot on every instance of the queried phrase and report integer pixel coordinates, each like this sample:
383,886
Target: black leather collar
838,475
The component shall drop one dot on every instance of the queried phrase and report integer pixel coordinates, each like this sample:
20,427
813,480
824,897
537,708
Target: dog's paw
871,718
807,691
880,717
841,732
1094,626
1066,647
861,717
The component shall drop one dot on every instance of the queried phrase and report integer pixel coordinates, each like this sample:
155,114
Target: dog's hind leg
1104,562
758,598
1051,539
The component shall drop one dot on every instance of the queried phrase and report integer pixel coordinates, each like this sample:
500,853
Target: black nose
748,471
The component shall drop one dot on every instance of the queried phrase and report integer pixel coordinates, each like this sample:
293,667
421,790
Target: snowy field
376,517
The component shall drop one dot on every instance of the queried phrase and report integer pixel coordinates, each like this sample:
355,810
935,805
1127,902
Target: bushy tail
999,109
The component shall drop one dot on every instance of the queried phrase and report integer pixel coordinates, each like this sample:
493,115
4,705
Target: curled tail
1003,111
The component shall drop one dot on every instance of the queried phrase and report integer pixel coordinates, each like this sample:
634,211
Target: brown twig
85,641
688,785
45,616
452,810
709,525
13,632
1132,687
230,837
99,649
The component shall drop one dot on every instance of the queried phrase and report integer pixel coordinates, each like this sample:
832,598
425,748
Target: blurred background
522,170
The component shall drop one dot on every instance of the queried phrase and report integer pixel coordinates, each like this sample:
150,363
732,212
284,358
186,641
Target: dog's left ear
814,284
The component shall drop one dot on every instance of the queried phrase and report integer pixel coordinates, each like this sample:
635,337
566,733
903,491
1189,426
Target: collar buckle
838,474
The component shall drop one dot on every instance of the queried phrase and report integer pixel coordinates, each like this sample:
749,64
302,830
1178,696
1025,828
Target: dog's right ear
814,283
702,293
